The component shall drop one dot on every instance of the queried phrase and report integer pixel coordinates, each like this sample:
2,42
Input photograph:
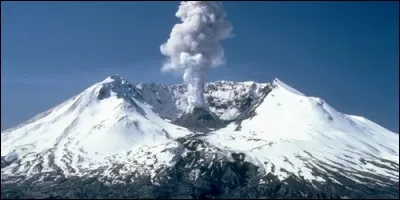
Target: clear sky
347,53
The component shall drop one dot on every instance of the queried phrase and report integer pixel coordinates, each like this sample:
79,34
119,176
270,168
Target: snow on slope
103,121
293,132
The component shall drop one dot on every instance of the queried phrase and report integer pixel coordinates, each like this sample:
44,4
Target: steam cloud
193,46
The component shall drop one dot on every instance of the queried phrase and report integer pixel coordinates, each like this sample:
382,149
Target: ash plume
193,46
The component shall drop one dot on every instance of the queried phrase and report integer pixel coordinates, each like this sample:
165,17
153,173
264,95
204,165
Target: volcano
254,140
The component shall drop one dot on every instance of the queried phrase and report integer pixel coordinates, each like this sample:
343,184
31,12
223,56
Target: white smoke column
193,46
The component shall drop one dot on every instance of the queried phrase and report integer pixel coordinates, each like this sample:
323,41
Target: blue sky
344,52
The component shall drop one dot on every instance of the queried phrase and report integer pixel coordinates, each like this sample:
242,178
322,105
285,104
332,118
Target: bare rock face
199,119
225,99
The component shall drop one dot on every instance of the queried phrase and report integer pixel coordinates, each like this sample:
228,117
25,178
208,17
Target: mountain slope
103,121
302,134
273,142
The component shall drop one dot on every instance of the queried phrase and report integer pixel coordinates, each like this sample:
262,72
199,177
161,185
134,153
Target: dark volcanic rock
204,172
199,119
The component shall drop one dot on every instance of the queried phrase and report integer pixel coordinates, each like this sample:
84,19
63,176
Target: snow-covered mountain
116,139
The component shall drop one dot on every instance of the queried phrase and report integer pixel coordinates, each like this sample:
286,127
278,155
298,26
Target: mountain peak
115,79
283,85
117,85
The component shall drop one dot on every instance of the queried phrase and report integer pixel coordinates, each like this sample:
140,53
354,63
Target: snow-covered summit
104,120
294,128
283,85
